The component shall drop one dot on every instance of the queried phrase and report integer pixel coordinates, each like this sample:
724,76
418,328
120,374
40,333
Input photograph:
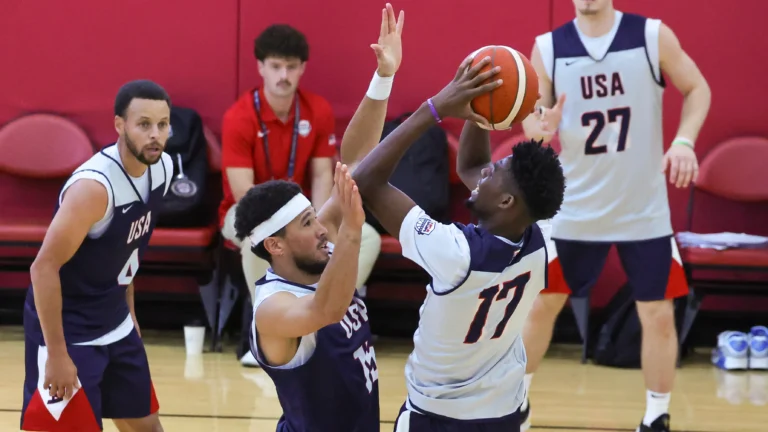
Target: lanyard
264,132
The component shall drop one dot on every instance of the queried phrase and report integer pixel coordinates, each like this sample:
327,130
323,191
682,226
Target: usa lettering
139,227
601,86
367,358
356,315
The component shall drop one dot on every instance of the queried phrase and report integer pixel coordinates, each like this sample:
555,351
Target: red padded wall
437,36
71,57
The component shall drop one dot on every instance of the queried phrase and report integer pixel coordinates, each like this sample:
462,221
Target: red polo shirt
242,145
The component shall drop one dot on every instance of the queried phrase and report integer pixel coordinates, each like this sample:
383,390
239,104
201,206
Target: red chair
734,171
39,152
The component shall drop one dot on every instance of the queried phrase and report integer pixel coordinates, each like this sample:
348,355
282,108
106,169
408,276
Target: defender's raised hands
389,48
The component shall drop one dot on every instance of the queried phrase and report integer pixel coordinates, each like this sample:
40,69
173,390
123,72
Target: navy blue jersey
331,384
94,280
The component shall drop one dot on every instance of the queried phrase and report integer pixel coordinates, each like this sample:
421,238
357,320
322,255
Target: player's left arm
364,130
474,154
131,308
682,71
323,153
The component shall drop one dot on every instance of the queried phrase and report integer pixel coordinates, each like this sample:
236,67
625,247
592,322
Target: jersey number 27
598,118
487,297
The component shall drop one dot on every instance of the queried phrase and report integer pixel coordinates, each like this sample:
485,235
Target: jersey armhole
304,352
167,171
100,226
652,27
547,52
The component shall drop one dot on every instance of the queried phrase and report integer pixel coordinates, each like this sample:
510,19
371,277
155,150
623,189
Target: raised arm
364,130
388,204
474,153
84,203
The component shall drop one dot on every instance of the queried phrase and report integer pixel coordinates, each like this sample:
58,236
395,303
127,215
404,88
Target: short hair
281,40
139,89
259,204
539,176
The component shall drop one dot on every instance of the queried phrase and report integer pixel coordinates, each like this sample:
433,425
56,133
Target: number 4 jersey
95,279
611,130
468,360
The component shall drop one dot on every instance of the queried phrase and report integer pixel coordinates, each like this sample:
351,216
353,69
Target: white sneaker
248,360
758,348
732,351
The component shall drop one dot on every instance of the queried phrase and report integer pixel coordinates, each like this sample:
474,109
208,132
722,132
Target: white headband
280,219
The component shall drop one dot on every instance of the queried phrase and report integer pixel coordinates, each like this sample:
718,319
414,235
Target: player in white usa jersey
606,70
466,370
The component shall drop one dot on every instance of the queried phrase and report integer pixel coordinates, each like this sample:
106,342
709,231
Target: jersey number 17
487,297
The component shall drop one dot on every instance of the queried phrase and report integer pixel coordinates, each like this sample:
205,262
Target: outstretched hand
345,189
389,49
454,100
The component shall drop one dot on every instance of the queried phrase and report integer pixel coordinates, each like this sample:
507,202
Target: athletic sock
656,405
527,381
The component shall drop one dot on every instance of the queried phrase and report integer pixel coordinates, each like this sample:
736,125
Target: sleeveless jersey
468,360
95,279
331,384
611,130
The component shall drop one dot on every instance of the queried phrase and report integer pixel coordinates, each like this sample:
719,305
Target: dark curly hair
539,176
281,40
258,205
139,89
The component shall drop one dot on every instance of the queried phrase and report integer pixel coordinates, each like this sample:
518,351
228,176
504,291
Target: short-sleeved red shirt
242,145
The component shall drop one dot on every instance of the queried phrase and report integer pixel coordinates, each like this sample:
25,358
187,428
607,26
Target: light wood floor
214,393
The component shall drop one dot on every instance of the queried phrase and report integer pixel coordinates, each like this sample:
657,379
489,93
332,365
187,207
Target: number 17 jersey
611,130
468,360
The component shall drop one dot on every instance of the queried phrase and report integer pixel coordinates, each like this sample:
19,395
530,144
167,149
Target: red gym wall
71,57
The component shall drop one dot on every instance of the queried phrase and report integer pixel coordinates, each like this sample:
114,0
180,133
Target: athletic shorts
114,383
653,267
412,421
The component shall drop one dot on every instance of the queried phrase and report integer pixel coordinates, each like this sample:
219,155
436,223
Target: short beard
135,151
311,267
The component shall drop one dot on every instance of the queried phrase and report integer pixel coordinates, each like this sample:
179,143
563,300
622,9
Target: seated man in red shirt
277,131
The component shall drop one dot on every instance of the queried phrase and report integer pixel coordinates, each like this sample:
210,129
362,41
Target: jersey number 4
126,275
599,119
487,297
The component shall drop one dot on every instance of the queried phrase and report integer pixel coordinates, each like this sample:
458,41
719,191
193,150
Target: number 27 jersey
468,360
611,130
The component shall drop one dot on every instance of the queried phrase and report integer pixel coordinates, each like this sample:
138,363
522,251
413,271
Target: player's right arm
537,126
474,154
84,203
283,315
236,156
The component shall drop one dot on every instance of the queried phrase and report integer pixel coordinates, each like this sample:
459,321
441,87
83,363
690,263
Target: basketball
514,100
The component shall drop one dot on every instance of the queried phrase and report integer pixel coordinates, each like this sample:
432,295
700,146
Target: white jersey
611,130
468,360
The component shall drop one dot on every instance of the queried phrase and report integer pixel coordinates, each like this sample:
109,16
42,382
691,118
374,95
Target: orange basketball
515,99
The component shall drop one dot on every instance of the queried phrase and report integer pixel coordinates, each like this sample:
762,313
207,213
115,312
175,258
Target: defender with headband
310,330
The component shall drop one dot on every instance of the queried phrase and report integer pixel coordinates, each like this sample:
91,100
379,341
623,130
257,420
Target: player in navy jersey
466,370
84,356
311,333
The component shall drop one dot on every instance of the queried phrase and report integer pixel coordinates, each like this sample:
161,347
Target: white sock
656,405
527,381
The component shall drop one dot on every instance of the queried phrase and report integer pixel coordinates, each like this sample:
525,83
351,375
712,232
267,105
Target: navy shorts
114,383
412,421
653,267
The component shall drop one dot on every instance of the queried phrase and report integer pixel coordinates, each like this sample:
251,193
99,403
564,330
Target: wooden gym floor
214,393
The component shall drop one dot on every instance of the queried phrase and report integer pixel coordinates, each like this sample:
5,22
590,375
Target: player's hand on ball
351,203
682,164
549,118
454,100
389,49
60,376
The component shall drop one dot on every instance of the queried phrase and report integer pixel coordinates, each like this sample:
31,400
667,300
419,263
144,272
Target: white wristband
380,87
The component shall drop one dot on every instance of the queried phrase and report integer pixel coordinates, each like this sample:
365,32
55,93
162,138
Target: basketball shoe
758,348
661,424
732,351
